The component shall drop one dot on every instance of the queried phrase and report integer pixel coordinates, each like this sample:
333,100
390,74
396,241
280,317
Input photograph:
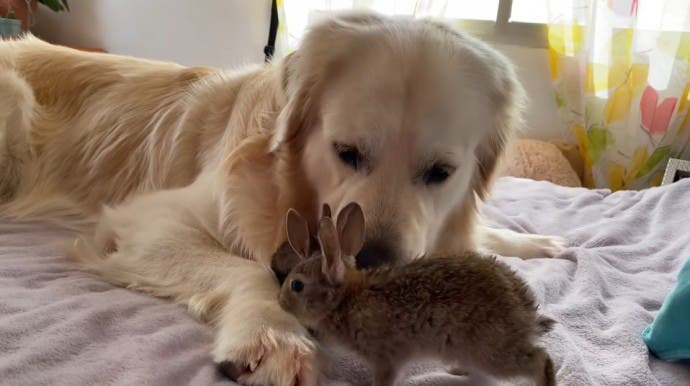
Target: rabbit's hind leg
547,376
384,373
536,363
521,361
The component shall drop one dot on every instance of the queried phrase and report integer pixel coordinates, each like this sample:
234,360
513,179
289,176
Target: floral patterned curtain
621,70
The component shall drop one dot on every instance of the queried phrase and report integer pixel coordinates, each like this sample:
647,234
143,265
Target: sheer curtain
622,76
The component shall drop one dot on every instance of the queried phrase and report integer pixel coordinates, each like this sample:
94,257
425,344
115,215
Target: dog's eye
437,174
349,155
296,285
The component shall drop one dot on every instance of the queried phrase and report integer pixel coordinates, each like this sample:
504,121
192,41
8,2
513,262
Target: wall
223,33
229,33
542,118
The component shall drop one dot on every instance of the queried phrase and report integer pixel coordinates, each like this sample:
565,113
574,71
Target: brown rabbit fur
470,310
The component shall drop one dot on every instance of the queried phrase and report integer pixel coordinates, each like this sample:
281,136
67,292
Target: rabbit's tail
544,324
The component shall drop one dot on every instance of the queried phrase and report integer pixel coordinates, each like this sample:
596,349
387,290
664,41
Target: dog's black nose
375,254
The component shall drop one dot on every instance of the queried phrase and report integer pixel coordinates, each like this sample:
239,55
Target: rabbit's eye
296,285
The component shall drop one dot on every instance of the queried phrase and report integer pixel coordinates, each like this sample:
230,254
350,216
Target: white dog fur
188,172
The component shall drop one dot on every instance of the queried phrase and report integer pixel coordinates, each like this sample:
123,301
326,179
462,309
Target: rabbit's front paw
264,355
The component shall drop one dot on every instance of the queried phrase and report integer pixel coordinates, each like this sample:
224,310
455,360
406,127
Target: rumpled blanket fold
62,326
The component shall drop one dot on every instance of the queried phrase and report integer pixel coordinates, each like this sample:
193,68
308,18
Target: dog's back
76,113
94,128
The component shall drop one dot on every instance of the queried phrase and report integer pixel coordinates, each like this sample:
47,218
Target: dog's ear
508,98
351,229
487,154
297,233
305,71
287,73
296,94
332,264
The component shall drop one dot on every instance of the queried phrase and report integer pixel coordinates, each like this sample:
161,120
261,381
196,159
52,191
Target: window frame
503,31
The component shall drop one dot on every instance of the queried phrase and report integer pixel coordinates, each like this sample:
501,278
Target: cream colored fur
188,172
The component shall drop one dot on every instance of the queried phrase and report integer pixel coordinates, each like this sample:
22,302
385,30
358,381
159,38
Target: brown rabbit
470,311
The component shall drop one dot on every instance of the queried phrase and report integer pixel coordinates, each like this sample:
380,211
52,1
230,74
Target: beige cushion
539,160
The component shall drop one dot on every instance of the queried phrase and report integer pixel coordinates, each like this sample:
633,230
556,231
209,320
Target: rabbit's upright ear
332,264
351,229
326,210
297,233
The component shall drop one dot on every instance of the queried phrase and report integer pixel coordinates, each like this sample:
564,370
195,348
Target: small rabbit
285,258
470,311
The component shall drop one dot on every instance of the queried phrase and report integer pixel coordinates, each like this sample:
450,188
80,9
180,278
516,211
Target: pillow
668,337
538,160
571,152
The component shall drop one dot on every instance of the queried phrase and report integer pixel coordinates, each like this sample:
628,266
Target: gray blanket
61,326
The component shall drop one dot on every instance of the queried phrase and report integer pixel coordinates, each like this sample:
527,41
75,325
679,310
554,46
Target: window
521,22
488,19
472,10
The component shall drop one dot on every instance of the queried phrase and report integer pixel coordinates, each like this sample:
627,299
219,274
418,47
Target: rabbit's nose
375,254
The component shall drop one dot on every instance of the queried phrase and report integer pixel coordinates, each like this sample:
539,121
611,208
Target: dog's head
405,117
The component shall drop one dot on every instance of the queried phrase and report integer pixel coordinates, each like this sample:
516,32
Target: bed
62,326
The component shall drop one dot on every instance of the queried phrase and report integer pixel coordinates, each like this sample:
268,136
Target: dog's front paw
266,355
553,245
524,245
537,246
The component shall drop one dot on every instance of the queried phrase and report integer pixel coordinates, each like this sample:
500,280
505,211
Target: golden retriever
188,172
